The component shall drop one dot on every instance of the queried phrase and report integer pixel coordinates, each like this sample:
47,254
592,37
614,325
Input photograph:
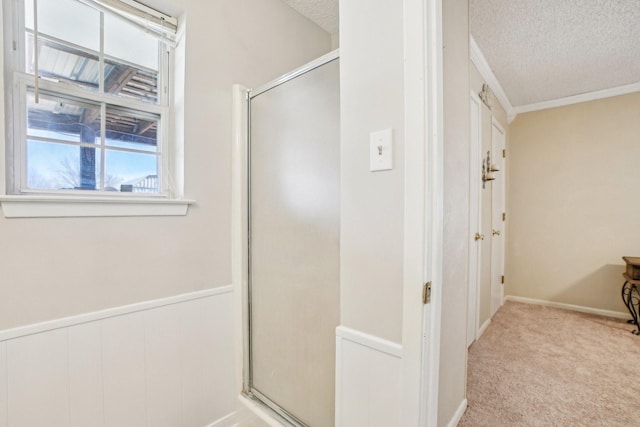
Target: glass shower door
294,243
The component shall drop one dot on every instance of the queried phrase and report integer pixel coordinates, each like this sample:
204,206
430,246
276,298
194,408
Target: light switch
381,150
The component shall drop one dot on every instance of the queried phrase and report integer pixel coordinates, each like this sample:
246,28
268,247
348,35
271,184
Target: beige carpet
538,366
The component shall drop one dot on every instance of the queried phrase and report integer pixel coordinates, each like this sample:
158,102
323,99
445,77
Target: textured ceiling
541,50
323,12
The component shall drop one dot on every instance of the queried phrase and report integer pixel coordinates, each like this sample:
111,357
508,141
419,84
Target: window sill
21,206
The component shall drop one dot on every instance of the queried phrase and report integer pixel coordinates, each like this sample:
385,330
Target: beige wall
52,268
371,76
453,350
572,208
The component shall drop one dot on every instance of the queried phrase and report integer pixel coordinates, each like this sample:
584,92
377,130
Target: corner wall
572,202
368,354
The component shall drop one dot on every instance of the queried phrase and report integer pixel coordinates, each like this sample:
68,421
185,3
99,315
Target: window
90,96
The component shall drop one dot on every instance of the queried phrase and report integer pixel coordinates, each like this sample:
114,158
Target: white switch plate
381,150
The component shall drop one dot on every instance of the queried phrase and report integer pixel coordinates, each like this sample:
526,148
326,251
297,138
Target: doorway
294,243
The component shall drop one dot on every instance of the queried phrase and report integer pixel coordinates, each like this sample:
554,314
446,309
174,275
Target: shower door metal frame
247,375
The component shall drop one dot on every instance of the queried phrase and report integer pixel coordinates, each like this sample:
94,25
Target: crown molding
478,59
576,99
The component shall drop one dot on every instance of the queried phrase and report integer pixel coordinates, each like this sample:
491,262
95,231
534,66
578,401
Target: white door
484,307
497,218
475,185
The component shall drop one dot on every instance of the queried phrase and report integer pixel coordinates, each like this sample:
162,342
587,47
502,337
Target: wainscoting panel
85,375
3,384
38,380
123,364
161,363
368,380
164,383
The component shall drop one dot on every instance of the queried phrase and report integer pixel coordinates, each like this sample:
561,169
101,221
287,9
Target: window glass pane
133,172
124,129
64,64
130,82
62,120
28,14
52,166
71,21
129,43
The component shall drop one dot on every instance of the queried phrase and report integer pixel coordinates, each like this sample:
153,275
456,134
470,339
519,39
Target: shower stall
291,247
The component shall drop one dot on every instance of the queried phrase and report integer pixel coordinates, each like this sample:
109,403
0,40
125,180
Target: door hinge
426,293
502,280
504,216
504,154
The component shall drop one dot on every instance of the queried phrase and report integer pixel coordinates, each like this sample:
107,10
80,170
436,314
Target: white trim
478,59
422,24
21,331
239,234
572,307
483,328
226,421
373,342
434,213
338,410
457,416
319,62
25,206
576,99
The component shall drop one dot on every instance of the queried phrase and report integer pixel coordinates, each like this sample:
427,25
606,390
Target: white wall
453,349
53,268
368,390
371,76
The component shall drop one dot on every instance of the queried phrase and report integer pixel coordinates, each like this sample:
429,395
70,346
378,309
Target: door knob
496,232
479,236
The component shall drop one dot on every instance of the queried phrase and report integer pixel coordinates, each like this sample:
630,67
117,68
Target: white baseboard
483,328
457,416
227,421
581,309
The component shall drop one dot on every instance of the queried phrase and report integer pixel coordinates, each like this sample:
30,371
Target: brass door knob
496,232
479,236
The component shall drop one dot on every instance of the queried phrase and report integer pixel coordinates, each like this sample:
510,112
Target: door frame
423,210
498,287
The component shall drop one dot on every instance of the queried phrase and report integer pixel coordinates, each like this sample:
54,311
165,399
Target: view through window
94,120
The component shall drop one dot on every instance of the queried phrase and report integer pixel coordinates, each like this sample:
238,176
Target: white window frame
17,200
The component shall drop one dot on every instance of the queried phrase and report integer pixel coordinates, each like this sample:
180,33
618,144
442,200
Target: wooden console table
630,292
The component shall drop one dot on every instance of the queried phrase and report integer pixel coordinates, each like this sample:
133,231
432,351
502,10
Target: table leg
631,298
626,298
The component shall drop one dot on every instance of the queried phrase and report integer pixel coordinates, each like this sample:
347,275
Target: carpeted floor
538,366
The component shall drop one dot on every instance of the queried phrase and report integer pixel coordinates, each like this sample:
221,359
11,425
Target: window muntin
68,142
73,140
